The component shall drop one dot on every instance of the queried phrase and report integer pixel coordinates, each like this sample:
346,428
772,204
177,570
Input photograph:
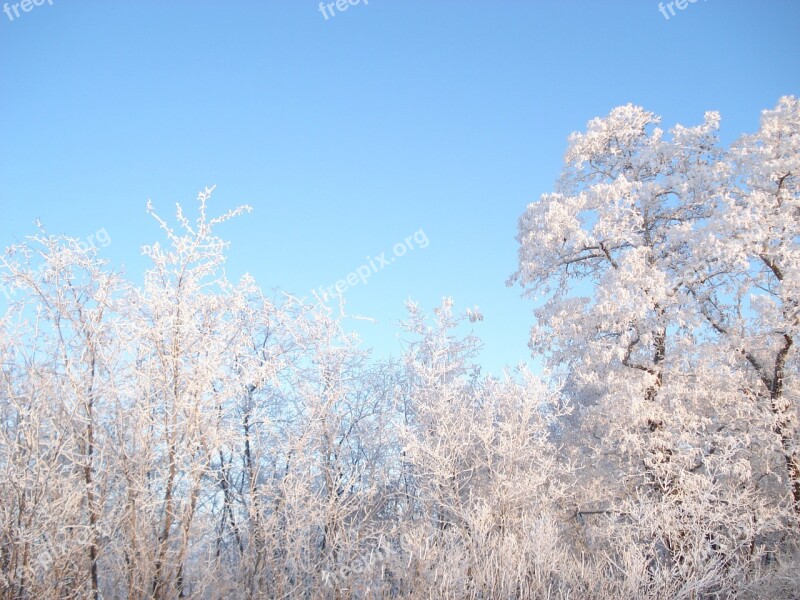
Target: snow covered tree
484,481
59,351
668,271
748,286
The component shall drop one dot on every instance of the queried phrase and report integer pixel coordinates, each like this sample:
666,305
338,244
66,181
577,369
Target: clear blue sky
348,134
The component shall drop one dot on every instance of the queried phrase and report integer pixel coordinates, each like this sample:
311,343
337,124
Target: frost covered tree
180,332
59,351
748,288
183,438
666,268
483,479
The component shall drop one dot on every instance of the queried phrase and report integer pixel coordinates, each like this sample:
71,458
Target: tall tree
668,268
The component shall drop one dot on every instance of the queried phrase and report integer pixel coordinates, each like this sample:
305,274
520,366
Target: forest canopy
195,437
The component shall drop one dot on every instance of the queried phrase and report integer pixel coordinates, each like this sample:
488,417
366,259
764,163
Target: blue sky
348,135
